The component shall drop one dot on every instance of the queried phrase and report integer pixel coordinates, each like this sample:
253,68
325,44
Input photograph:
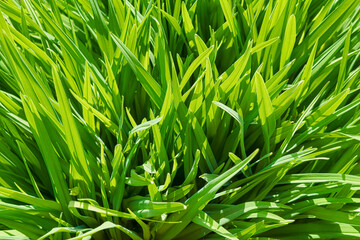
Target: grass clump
179,119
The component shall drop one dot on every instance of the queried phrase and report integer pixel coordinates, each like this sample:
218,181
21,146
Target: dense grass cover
172,119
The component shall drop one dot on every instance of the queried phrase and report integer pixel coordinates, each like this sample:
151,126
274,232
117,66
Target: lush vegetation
215,119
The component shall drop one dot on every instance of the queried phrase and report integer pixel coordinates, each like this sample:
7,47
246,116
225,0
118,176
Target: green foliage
178,119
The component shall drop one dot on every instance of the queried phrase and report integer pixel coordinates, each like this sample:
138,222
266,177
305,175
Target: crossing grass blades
194,119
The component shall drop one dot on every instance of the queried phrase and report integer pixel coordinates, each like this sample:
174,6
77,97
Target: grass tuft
192,119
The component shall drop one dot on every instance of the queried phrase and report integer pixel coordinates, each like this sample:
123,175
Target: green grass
195,119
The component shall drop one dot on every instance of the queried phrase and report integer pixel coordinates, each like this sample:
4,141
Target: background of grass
179,119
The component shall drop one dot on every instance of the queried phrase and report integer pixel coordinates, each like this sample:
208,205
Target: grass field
194,119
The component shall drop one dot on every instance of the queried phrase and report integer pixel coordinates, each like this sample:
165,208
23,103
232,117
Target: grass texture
195,119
